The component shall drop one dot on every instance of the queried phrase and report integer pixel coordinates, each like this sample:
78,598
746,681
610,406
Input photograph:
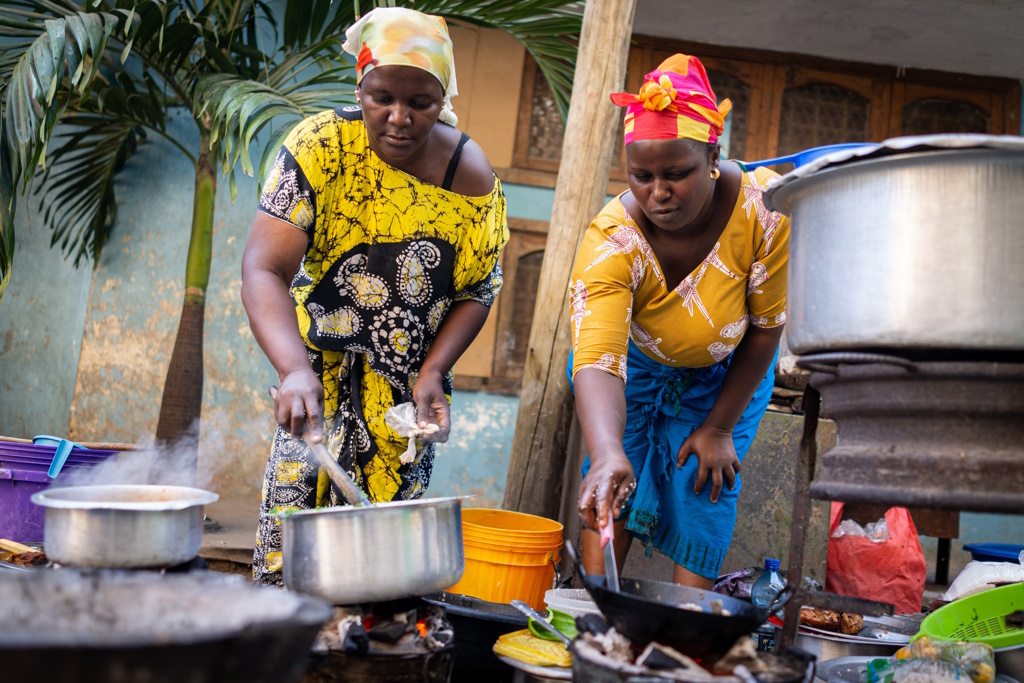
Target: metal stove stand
943,431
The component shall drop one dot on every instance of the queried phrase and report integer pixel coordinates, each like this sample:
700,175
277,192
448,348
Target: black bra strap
449,175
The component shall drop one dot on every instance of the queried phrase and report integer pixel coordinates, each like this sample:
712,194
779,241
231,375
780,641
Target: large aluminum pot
915,245
387,551
122,526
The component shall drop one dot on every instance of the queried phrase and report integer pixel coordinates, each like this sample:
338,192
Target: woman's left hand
432,406
716,455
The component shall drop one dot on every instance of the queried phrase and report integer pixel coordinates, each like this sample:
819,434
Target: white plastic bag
876,532
978,577
402,418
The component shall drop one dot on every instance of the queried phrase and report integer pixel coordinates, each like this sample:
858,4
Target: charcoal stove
904,305
943,434
404,641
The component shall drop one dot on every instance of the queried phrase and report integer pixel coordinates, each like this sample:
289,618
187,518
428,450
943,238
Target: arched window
932,115
726,86
822,114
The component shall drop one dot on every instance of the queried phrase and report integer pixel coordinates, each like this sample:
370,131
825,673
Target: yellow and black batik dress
388,255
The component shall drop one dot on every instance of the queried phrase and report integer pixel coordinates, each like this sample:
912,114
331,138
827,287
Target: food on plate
21,555
825,619
850,624
830,620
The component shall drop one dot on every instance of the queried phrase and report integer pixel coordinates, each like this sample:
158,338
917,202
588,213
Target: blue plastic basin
994,552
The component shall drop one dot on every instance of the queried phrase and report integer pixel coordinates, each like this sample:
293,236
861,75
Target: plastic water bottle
768,585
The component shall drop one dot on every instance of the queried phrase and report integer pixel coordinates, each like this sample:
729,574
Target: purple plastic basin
22,462
23,473
77,454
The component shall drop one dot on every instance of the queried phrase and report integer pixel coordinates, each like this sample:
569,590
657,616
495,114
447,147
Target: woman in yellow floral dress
370,267
678,296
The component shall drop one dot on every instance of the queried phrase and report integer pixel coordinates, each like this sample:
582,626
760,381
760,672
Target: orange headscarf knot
657,95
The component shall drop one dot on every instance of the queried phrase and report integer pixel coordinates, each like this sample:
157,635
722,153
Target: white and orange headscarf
675,101
397,36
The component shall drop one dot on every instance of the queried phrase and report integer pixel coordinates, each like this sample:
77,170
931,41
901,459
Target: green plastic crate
979,618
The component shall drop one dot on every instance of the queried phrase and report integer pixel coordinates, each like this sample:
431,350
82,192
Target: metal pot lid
892,147
140,497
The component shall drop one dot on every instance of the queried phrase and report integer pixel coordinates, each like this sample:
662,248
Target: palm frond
239,108
65,56
61,64
76,193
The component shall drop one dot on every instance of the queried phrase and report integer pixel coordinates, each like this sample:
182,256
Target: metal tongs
352,494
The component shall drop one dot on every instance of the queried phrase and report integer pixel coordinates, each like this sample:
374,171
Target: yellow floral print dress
388,255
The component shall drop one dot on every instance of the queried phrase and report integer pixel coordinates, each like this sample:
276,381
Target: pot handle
780,600
829,362
569,548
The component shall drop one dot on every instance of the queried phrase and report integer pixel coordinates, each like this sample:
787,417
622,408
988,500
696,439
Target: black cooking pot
646,611
477,625
124,627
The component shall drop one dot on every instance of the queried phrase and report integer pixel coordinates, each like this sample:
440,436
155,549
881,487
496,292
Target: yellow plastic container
509,556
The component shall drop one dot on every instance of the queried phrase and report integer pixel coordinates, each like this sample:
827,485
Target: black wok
646,611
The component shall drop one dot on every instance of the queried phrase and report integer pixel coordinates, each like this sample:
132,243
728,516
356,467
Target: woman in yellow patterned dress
370,267
679,296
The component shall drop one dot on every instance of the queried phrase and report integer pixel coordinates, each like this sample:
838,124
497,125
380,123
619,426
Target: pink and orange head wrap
675,101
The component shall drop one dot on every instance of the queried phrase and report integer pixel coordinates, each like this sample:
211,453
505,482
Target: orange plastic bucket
509,556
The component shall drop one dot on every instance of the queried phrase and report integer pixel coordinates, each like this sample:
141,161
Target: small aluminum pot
123,526
387,551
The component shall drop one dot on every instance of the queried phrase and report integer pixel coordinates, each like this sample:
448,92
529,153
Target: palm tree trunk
183,388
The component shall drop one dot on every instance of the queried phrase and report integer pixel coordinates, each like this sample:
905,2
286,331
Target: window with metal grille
734,145
822,114
931,116
546,130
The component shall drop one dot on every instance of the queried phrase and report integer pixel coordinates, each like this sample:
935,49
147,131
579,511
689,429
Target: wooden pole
545,404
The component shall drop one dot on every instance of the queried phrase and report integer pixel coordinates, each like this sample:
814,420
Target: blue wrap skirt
664,405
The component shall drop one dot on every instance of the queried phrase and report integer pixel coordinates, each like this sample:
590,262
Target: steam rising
165,464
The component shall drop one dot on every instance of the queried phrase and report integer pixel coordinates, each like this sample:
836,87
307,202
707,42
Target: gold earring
715,173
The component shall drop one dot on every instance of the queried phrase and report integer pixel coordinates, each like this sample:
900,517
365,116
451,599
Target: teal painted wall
41,321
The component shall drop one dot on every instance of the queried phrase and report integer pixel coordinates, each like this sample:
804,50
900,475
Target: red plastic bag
892,571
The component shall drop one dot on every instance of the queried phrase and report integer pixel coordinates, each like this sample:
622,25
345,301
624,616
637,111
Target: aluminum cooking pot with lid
913,245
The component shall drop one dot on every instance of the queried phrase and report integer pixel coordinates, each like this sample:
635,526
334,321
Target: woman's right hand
607,487
298,402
